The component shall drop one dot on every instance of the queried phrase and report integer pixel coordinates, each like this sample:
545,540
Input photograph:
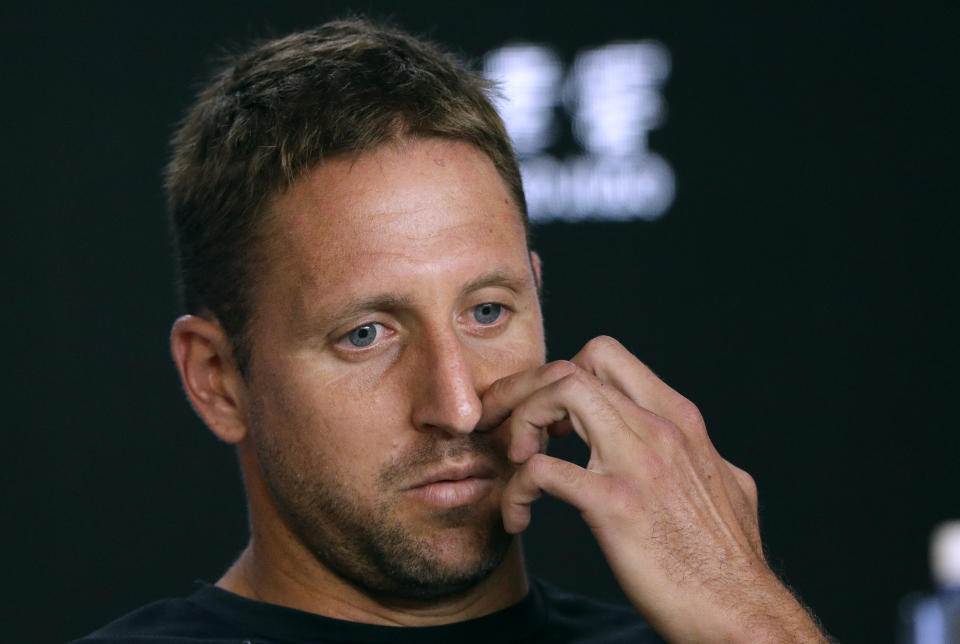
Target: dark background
802,290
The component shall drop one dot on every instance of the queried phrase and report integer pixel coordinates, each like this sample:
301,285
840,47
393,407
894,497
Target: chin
467,549
448,558
451,566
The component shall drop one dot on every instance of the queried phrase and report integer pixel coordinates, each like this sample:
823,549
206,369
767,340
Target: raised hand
676,522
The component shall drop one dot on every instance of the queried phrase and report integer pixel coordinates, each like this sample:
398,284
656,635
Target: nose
446,393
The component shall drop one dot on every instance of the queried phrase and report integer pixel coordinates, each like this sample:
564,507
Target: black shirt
214,615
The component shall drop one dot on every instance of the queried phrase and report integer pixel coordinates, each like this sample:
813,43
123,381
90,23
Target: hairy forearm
774,616
732,608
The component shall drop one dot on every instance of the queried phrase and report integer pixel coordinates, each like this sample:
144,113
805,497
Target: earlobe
210,379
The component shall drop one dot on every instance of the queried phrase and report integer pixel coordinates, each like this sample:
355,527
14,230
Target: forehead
420,207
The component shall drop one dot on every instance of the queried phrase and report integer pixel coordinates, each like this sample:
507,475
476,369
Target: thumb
541,473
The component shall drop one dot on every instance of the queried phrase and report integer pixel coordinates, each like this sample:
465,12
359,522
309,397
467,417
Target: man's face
398,288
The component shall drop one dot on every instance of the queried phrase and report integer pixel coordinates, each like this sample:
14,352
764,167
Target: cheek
350,417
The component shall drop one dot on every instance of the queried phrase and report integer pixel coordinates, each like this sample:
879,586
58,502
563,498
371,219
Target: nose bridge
448,394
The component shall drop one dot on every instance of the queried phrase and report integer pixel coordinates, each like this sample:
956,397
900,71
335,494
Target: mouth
453,486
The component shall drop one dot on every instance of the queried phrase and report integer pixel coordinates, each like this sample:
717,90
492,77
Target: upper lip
456,472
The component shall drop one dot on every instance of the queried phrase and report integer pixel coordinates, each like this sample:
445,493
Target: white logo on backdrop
609,98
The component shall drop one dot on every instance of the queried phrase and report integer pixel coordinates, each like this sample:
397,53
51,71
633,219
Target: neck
300,581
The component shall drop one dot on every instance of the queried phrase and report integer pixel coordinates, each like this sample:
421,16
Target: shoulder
169,620
576,618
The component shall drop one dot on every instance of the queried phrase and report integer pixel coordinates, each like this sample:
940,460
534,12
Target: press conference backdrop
757,201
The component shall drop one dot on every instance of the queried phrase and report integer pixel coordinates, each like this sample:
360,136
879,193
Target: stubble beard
373,548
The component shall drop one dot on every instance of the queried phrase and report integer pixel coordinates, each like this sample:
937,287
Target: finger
611,362
647,425
560,428
503,395
576,399
542,473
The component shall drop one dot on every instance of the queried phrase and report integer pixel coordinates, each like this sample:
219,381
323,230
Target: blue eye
487,313
363,336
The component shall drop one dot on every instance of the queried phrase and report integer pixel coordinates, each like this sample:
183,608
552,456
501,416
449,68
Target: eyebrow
497,277
378,302
396,301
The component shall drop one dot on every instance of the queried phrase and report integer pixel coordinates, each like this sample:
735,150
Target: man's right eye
363,335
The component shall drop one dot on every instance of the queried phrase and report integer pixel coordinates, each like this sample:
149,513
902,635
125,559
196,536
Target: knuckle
496,389
749,485
746,483
537,466
557,369
672,437
600,346
689,416
572,383
518,422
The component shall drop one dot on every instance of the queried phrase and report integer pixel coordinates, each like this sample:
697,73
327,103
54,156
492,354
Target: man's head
280,109
352,238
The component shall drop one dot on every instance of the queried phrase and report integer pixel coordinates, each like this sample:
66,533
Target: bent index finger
579,400
610,361
500,399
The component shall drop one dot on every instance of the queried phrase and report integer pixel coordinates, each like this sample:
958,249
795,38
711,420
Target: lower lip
452,494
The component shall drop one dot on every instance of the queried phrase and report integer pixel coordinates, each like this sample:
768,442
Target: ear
536,264
204,358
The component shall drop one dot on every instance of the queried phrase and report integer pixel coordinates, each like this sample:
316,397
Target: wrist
774,615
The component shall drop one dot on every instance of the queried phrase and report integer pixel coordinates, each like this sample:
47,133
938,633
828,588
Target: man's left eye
487,313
